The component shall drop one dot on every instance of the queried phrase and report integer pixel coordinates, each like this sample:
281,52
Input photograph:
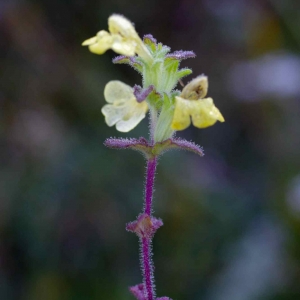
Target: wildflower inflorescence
169,110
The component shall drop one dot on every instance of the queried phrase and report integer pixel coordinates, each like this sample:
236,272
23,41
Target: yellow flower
192,104
123,109
121,38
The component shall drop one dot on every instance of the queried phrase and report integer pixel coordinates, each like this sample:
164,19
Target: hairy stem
148,269
150,175
147,264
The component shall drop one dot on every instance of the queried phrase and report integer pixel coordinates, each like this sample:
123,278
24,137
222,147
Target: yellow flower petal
131,42
122,46
204,113
122,39
123,111
191,104
118,92
181,118
112,114
118,24
90,41
136,116
103,42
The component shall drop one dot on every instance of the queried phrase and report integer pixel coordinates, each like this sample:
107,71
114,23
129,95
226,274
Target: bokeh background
232,218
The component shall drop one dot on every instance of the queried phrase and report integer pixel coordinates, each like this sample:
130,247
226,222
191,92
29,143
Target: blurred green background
231,219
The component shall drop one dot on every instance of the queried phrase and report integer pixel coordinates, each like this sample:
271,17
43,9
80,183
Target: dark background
232,218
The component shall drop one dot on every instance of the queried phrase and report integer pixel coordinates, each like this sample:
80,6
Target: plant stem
150,175
152,123
148,269
147,264
146,261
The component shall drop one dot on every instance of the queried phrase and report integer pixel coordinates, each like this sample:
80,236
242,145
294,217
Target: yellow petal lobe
181,118
123,46
90,41
116,91
204,113
103,43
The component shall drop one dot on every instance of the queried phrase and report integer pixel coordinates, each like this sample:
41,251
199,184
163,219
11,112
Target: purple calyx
180,55
149,38
140,93
122,59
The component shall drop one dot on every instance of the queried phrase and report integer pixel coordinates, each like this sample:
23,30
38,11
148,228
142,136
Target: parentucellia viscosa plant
169,110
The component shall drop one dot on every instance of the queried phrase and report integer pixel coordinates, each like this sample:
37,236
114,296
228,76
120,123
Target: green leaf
183,73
